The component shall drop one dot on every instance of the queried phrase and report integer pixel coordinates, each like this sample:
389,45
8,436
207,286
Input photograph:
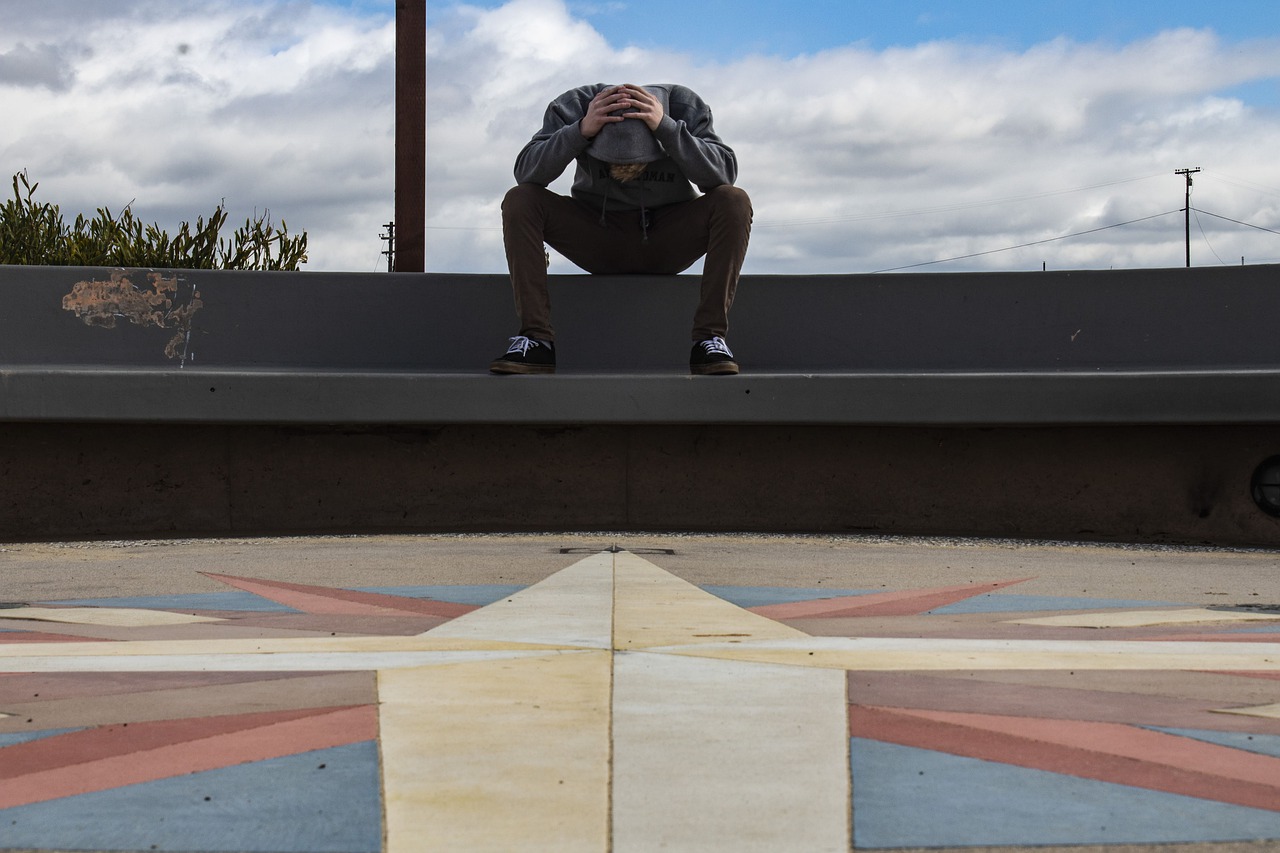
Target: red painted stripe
120,739
1091,701
328,600
1106,752
192,755
905,603
1273,676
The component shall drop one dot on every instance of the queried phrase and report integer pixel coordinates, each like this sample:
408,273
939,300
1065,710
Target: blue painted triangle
234,600
907,797
1259,743
27,737
324,801
758,596
1005,602
477,594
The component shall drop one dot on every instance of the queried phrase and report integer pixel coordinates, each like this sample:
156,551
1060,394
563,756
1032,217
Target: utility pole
1187,173
390,239
411,135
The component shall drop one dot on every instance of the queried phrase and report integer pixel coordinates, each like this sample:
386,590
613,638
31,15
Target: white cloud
180,105
856,159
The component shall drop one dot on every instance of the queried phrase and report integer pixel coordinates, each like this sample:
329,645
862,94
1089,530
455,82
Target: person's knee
522,197
731,194
732,200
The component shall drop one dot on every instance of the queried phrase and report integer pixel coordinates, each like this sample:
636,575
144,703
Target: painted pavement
614,706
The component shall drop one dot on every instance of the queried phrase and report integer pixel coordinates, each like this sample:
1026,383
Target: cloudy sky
916,134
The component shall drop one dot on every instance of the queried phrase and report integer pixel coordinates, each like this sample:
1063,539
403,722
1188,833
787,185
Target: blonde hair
623,172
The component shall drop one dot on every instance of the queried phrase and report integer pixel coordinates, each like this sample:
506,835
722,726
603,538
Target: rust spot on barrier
158,303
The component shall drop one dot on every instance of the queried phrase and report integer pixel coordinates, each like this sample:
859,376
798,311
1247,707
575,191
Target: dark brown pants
717,224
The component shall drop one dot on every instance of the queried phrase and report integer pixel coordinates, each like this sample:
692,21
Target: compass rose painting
615,706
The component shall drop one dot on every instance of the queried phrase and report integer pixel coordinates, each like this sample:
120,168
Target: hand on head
621,103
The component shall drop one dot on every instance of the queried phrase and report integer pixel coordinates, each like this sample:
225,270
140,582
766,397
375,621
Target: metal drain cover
614,549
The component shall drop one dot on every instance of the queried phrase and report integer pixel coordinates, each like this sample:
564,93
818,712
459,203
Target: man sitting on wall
633,209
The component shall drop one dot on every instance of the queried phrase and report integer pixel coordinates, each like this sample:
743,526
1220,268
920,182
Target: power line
1242,183
1236,221
1033,243
1200,225
1077,234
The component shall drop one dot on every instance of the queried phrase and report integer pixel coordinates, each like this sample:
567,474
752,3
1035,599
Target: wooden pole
1186,210
411,135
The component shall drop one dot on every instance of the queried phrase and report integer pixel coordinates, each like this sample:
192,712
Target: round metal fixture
1266,486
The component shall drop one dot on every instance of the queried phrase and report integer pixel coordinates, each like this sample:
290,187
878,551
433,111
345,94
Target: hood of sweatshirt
626,142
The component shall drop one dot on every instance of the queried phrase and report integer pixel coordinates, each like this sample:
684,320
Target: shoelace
521,344
716,346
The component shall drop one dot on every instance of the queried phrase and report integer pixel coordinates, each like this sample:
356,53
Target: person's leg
718,225
526,211
533,216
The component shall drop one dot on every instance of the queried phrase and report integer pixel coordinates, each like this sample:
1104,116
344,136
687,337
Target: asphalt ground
36,571
1233,580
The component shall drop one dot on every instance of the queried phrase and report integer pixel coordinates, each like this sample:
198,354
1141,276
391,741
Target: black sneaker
526,355
710,357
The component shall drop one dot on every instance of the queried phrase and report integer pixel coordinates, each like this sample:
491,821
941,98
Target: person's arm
705,160
687,135
568,126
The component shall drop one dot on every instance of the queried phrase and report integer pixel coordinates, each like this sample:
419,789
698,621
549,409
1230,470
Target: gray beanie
630,141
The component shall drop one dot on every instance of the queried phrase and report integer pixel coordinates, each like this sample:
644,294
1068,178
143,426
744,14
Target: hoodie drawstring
645,219
644,216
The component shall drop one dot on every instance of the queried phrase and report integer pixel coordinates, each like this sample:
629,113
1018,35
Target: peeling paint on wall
159,303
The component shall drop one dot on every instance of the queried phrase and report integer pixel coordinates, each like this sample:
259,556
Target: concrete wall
1133,319
1136,483
1097,405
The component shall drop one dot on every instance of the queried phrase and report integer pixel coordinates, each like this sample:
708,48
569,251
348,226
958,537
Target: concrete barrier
1104,404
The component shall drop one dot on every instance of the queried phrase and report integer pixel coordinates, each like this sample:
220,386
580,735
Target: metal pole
411,135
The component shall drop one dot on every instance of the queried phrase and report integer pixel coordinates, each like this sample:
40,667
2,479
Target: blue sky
725,29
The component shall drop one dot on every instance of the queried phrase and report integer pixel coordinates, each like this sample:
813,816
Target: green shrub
35,233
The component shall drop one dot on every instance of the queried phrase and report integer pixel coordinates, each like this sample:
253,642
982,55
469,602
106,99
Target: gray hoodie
688,150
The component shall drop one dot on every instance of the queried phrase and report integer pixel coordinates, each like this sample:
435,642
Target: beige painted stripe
1271,712
497,756
260,646
116,617
572,608
272,662
1143,618
728,756
653,607
881,654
